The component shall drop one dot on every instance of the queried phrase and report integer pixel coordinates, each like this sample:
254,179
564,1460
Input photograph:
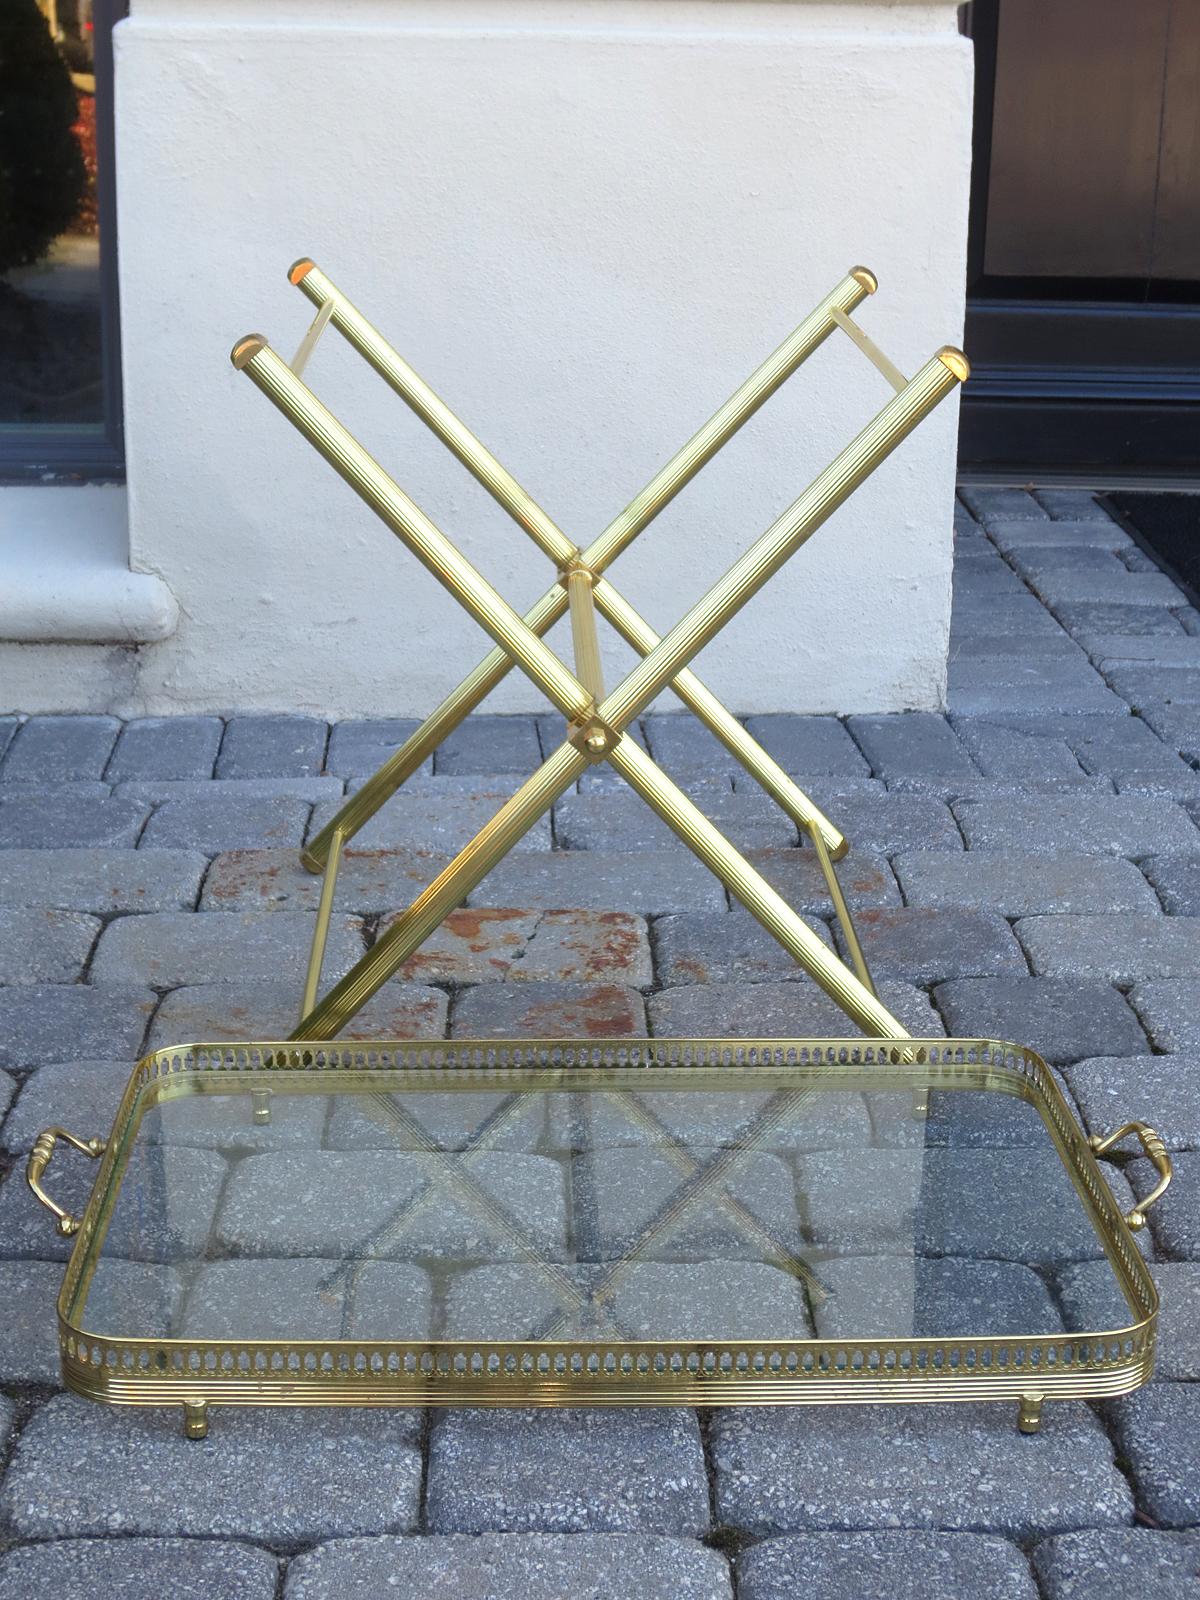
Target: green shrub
42,172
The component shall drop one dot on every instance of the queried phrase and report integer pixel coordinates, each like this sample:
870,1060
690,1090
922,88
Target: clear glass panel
50,341
620,1212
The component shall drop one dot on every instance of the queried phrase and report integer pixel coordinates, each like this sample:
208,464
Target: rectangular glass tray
632,1221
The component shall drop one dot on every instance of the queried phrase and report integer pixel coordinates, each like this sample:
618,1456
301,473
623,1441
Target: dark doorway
1083,318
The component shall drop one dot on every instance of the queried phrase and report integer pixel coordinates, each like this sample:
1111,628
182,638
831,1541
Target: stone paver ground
1027,866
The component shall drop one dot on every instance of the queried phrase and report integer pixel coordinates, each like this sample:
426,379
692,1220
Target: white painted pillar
583,222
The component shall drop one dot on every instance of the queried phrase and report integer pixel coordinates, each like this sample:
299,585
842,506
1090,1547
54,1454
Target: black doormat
1167,527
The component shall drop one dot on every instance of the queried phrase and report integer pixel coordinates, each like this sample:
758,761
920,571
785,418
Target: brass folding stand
596,721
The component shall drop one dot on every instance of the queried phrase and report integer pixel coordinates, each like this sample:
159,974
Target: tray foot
1029,1413
260,1099
920,1104
195,1419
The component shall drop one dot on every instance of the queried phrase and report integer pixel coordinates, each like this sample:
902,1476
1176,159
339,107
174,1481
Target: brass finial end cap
300,269
953,358
866,277
246,349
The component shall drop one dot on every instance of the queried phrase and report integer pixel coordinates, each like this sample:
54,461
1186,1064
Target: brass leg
260,1099
1029,1413
754,892
195,1419
316,956
427,912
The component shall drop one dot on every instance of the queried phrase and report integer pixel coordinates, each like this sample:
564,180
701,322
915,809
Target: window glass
51,354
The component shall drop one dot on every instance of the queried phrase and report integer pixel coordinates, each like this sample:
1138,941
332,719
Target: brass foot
195,1419
260,1099
1029,1413
920,1104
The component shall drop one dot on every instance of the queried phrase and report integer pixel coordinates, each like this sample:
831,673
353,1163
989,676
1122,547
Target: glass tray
634,1221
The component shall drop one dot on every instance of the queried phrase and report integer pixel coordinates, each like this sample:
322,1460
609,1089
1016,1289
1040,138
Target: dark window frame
1088,381
48,455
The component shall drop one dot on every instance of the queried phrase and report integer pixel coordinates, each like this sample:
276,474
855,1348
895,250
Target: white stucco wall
583,222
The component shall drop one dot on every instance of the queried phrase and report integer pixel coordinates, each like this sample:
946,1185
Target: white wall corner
64,555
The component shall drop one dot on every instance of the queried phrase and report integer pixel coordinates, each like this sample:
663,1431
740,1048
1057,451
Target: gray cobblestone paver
1161,1090
1082,617
336,1203
220,821
610,1469
775,1011
723,947
52,750
1091,1299
1169,1010
62,1022
39,946
816,746
535,1566
569,880
990,505
158,791
548,1010
272,747
165,747
615,822
1115,1563
1177,880
252,1478
866,880
139,1569
101,881
884,1566
1061,1020
556,945
359,748
1175,1219
269,1011
926,945
171,948
1122,825
47,820
1121,949
1018,883
274,880
434,818
782,1469
879,823
913,744
1158,1431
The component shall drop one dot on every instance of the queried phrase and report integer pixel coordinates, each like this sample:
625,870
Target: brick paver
1025,867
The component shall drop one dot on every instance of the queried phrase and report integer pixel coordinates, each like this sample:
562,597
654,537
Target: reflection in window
50,301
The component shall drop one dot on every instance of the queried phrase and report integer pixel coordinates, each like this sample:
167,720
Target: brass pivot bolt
195,1419
1029,1413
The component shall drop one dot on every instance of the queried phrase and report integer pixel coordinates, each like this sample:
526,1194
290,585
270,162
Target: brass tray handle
39,1160
1152,1144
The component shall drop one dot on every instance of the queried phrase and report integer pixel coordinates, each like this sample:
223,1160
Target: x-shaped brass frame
596,722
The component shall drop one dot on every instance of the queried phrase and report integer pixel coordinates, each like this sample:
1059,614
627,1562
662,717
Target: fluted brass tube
525,511
431,907
270,373
583,633
753,890
666,483
784,537
740,744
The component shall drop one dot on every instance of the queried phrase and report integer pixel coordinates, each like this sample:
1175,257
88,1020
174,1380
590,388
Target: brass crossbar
596,721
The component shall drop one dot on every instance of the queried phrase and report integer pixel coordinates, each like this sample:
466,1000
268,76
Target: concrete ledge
64,556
